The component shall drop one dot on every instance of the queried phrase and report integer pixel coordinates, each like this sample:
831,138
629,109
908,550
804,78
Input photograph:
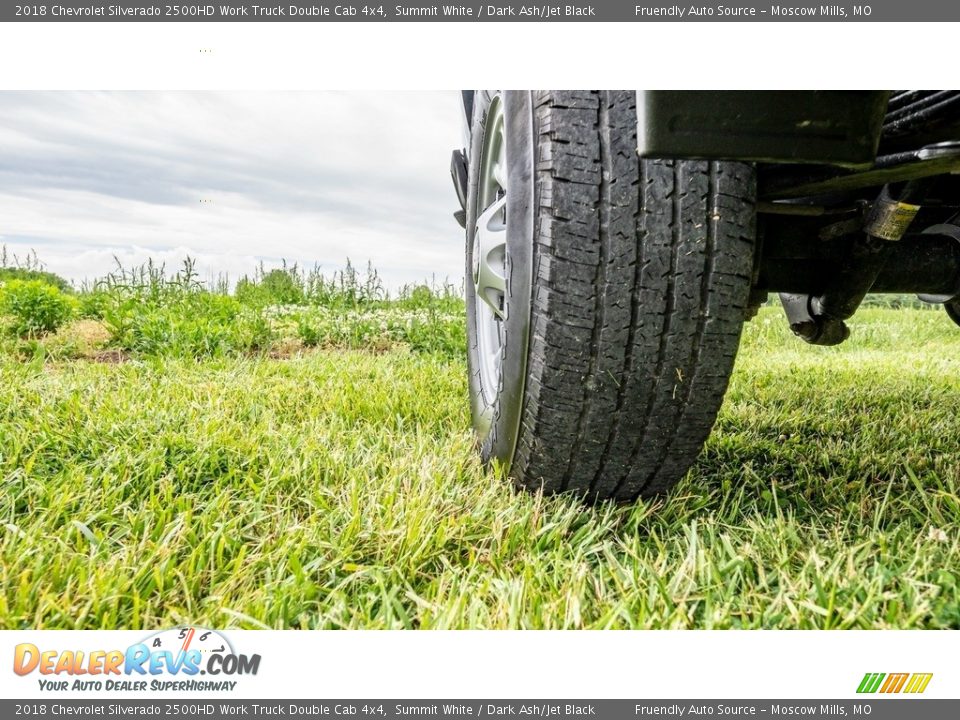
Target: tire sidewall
497,420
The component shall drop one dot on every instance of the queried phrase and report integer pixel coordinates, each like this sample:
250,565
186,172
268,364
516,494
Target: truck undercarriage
827,237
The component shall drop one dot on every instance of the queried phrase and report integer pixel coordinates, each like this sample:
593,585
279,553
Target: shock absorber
820,319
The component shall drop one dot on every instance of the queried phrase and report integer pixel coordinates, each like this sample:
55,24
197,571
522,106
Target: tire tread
641,277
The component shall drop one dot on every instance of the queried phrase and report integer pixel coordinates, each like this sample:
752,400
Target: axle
821,284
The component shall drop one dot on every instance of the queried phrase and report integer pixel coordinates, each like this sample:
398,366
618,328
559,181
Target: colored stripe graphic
918,682
891,682
870,682
894,683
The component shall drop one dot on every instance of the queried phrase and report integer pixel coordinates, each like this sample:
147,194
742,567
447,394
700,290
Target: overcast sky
231,179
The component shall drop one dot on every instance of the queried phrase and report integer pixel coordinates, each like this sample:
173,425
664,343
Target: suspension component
802,182
926,264
951,292
889,217
820,319
808,324
951,298
823,288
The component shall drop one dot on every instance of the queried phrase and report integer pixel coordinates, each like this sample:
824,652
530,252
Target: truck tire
607,298
953,310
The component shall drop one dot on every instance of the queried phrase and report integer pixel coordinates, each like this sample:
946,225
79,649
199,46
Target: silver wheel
499,230
489,251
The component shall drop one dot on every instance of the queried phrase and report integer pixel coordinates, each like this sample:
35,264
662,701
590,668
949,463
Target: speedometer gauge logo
184,639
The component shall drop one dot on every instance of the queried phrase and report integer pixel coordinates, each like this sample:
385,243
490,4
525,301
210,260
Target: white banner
475,664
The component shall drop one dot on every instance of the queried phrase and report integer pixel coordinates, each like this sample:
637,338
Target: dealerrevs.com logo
168,660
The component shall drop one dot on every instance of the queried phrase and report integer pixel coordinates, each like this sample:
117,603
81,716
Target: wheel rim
489,252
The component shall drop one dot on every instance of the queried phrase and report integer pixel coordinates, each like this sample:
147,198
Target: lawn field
336,486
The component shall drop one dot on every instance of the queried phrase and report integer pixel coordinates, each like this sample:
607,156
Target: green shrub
93,305
427,331
347,288
283,285
8,274
280,286
197,324
148,311
308,332
252,332
445,297
28,267
435,332
34,307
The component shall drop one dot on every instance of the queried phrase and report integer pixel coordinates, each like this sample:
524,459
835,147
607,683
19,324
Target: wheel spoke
491,238
500,166
500,173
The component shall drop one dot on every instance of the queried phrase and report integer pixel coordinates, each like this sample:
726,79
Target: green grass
339,488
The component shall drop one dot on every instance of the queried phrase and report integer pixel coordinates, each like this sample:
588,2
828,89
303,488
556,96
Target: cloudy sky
231,179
